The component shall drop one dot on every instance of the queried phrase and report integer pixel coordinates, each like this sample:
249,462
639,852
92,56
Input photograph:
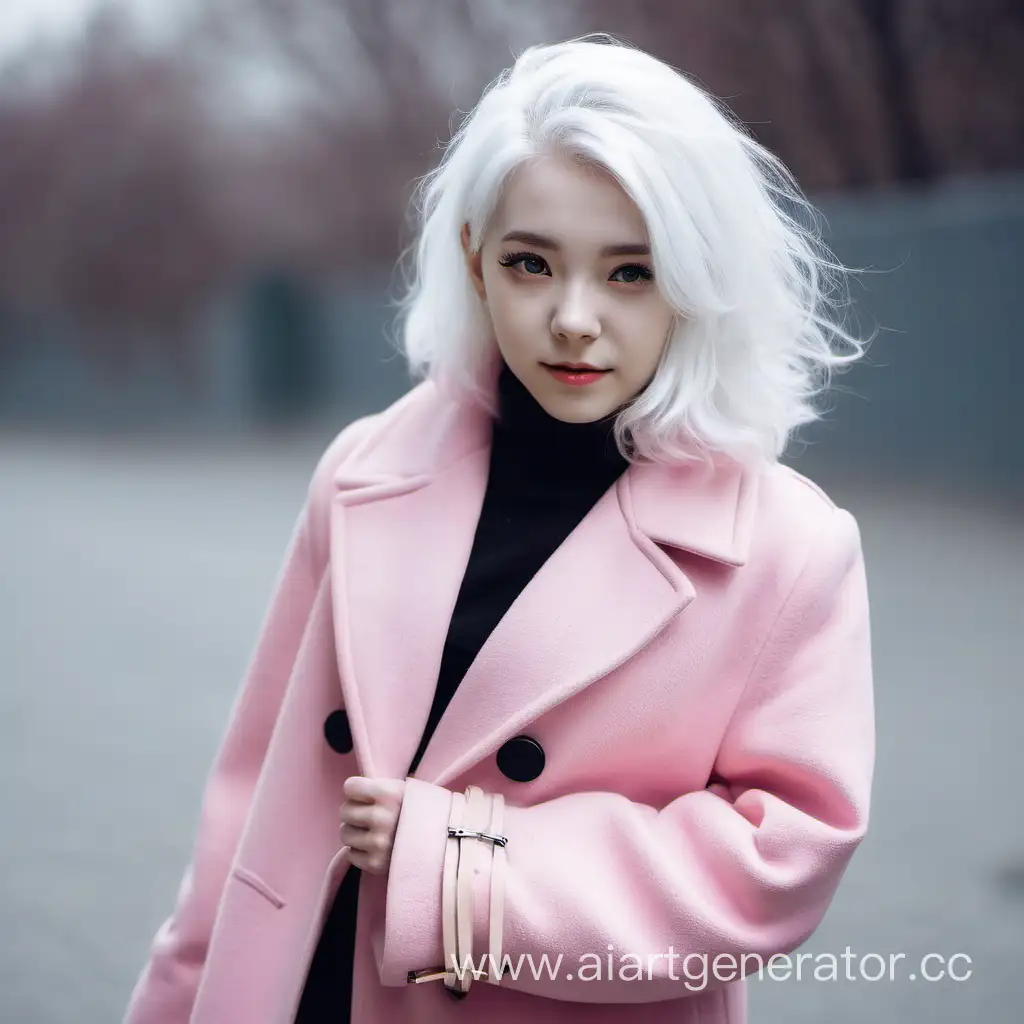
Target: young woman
562,708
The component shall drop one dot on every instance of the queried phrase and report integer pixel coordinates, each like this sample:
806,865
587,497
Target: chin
577,412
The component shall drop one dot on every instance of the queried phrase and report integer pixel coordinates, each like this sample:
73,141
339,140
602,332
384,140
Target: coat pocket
254,881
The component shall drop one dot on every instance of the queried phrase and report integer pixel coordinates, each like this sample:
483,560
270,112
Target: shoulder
800,531
789,503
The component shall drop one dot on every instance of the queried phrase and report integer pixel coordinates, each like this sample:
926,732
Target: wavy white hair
756,292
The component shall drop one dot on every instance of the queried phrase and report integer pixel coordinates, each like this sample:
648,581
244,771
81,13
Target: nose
576,315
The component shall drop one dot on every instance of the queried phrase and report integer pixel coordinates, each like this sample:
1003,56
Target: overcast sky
251,84
251,79
21,20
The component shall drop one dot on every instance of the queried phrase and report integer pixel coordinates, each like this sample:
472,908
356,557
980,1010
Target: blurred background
201,205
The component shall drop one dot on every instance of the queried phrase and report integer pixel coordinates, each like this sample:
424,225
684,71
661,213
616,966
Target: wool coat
694,661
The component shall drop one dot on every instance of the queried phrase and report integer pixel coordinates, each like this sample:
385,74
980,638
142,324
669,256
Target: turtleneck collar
526,435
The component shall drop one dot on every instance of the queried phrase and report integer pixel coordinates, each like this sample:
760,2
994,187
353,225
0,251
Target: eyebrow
543,242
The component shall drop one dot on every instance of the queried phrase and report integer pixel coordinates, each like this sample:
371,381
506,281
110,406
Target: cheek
650,325
510,309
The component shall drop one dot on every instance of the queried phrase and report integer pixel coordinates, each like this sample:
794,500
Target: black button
521,759
339,735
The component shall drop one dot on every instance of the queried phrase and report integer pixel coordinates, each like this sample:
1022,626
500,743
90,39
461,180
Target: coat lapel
403,521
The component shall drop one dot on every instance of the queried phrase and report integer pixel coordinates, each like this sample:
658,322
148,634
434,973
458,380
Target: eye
635,273
525,260
532,265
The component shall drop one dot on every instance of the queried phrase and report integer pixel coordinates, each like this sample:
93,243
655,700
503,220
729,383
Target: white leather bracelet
475,818
449,896
480,824
497,898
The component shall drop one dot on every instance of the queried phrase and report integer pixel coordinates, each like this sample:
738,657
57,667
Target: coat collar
403,520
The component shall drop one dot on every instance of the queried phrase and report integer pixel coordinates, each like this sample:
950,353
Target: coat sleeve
166,988
609,900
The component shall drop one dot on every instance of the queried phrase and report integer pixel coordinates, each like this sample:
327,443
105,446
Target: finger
390,792
360,789
359,859
365,840
358,838
371,816
372,863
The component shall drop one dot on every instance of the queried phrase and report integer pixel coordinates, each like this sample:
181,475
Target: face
566,276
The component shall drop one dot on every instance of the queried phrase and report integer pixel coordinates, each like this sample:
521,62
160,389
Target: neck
544,446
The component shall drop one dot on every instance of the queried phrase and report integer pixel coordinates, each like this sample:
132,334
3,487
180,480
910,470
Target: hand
369,818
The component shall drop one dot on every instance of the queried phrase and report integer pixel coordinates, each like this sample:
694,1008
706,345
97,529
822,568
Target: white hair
755,291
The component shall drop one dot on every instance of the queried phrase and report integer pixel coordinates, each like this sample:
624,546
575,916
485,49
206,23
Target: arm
166,989
750,873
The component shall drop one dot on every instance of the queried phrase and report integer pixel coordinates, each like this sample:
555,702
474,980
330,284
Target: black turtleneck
544,476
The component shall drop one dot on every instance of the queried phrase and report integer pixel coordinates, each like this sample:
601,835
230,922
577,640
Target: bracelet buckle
468,833
425,974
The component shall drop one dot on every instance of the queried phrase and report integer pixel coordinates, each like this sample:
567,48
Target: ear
474,262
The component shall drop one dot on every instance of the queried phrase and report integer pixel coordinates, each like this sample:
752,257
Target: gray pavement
133,577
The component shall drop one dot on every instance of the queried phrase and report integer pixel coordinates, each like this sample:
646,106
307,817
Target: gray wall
936,392
935,395
938,389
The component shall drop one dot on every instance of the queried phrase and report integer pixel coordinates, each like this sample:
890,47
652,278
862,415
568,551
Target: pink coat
694,661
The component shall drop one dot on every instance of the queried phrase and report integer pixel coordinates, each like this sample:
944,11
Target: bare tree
108,198
852,93
138,184
374,86
901,111
965,81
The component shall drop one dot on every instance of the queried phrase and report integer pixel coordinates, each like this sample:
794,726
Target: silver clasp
466,833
